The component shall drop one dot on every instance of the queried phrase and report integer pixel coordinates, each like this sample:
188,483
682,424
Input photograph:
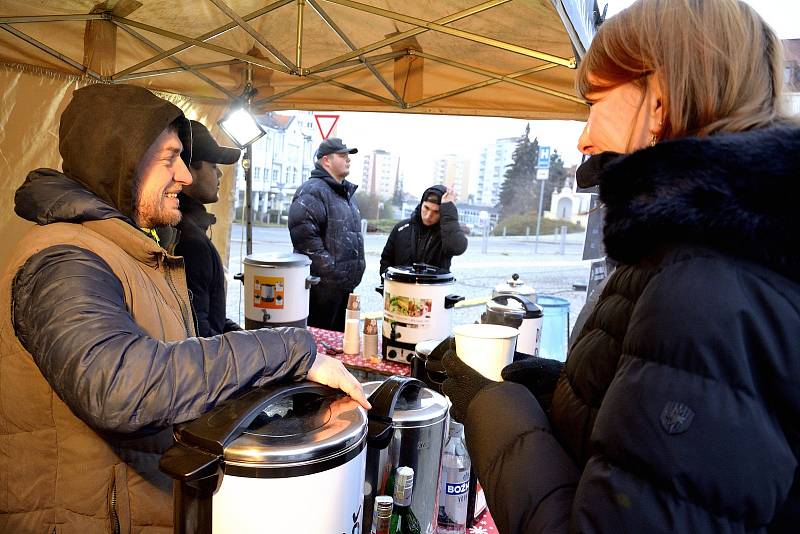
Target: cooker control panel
396,354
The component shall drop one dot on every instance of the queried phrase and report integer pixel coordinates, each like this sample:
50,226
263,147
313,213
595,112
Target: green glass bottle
403,519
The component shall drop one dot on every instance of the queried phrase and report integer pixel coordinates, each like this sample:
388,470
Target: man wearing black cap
432,235
205,274
325,225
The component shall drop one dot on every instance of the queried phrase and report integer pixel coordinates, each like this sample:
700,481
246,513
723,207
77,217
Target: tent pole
500,77
248,170
479,85
564,62
206,36
474,10
338,31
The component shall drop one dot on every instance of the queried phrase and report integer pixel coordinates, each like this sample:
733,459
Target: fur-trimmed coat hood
729,192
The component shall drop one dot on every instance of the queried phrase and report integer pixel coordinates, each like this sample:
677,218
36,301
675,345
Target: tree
373,206
555,180
397,197
517,194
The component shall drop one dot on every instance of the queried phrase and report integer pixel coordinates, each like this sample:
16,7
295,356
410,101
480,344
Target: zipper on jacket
181,303
114,515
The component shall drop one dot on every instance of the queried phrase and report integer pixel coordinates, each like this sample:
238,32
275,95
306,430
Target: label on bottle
453,499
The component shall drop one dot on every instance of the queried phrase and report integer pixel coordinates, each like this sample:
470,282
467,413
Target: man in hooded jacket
325,225
432,235
97,350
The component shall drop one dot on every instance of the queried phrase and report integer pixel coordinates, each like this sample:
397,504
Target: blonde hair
719,64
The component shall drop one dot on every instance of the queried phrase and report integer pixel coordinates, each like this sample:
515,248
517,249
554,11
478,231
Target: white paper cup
487,348
351,343
371,346
352,314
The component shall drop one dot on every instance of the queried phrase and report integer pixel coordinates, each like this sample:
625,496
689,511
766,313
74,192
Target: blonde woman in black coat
678,409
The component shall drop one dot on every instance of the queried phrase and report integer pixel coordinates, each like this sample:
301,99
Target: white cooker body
530,333
417,310
326,502
274,294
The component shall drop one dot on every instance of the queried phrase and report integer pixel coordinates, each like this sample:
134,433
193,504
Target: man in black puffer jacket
432,235
205,274
325,225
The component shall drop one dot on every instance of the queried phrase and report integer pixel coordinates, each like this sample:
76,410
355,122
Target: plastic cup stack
371,339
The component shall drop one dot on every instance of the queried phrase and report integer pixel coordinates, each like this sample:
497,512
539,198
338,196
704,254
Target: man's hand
449,196
331,372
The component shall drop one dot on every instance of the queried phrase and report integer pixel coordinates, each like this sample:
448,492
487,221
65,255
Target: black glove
433,363
462,384
539,375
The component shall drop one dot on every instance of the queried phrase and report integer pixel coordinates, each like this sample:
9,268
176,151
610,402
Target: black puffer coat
205,274
325,225
679,406
411,241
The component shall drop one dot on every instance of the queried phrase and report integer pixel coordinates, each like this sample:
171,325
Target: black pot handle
450,301
383,401
531,308
203,441
379,289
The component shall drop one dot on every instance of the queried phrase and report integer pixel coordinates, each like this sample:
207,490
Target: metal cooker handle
383,401
527,304
203,441
312,281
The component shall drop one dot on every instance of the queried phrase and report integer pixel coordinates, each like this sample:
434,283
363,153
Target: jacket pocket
118,501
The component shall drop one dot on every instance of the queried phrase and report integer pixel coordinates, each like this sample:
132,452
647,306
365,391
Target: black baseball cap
204,148
333,145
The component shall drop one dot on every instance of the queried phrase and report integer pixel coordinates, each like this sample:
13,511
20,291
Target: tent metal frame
357,60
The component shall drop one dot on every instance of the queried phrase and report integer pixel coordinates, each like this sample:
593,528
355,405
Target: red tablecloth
357,361
484,524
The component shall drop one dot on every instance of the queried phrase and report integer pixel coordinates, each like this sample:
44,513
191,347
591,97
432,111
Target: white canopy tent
512,58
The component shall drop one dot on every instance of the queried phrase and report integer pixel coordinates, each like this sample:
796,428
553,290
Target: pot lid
423,409
277,259
419,273
514,285
299,429
506,304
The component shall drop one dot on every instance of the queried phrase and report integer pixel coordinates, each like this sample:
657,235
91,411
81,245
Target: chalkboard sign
597,273
593,245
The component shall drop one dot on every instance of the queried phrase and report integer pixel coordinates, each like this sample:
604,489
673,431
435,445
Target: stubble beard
152,213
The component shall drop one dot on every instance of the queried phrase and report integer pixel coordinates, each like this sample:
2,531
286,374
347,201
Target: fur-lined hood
735,193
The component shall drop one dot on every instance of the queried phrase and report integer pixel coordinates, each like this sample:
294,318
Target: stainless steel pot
515,286
260,461
521,313
407,427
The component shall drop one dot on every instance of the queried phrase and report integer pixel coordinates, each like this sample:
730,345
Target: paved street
476,273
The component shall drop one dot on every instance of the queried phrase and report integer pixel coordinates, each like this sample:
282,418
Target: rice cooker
407,428
417,305
521,313
262,461
276,289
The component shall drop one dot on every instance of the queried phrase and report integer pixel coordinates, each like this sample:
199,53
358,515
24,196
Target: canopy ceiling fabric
509,58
